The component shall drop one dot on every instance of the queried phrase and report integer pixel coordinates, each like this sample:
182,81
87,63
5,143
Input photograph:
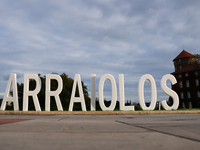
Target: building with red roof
187,74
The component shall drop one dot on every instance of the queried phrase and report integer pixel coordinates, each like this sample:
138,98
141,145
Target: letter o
114,92
153,92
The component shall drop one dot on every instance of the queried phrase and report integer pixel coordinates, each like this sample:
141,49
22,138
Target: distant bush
137,107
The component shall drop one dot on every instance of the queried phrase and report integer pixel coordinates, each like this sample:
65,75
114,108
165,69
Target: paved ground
167,131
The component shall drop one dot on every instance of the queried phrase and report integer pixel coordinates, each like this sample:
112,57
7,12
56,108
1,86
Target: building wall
181,63
188,93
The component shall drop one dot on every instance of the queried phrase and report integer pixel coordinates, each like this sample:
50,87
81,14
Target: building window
196,73
197,82
180,67
188,94
182,96
187,83
181,84
198,93
180,75
193,59
179,60
186,74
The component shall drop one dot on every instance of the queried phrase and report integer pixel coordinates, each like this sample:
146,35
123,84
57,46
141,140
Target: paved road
100,132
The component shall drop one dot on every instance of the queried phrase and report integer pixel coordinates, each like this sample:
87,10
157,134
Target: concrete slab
101,132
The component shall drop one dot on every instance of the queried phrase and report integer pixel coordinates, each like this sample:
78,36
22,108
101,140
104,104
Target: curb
98,112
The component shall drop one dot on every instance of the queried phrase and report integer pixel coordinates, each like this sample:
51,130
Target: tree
198,56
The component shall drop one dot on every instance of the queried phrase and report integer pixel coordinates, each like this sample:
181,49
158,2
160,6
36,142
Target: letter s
169,92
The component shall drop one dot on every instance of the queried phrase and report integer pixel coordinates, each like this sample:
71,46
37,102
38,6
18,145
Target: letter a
14,99
81,99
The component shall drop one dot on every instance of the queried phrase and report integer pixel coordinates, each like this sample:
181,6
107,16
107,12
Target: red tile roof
184,54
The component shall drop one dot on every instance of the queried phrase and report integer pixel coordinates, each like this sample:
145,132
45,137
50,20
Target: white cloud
130,37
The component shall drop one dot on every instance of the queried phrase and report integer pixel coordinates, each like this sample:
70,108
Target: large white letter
121,95
169,92
153,92
81,99
55,93
12,81
114,92
33,93
93,92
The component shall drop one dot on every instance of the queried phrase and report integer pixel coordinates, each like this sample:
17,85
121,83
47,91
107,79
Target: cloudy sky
130,37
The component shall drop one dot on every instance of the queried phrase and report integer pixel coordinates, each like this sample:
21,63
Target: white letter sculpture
169,92
81,99
33,93
55,93
153,92
114,92
12,81
121,95
93,92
